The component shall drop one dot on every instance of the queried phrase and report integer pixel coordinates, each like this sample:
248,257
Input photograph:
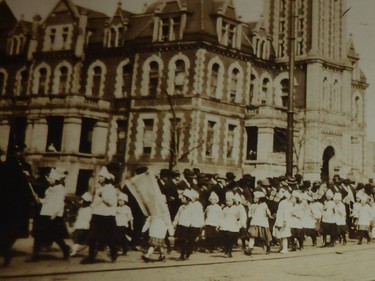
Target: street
349,262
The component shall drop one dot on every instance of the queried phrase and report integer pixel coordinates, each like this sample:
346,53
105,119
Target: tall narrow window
2,84
164,32
153,79
175,135
175,23
87,129
179,77
252,143
17,132
63,81
127,71
279,140
121,136
52,37
234,85
55,132
230,140
148,136
252,88
265,90
96,81
42,81
356,109
214,79
65,34
210,138
113,36
284,92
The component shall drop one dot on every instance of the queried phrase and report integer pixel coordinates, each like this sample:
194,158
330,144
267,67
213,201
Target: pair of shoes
145,258
87,260
247,251
227,255
161,258
283,252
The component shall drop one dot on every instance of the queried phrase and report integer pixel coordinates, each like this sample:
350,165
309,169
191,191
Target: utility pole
290,113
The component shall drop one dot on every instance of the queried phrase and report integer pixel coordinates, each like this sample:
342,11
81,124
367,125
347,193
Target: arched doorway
328,154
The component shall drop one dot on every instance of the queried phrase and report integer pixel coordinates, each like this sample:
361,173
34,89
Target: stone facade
82,89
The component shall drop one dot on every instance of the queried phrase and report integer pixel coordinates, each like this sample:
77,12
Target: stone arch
266,96
220,78
4,81
90,77
57,77
240,81
145,73
172,79
36,80
119,83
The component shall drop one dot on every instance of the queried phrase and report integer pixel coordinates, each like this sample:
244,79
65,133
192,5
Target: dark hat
230,176
306,184
189,173
196,171
141,170
165,173
176,173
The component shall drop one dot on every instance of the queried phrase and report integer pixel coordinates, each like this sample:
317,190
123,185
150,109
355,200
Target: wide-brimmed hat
230,176
213,196
291,181
188,194
87,196
54,175
122,196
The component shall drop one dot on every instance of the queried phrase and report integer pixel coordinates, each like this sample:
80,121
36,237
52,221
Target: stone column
99,138
38,134
71,135
265,143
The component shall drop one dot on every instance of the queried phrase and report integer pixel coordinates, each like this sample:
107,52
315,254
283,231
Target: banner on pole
146,191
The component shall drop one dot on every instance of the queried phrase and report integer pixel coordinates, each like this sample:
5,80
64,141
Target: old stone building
186,83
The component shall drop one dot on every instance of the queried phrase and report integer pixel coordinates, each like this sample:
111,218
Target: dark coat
15,198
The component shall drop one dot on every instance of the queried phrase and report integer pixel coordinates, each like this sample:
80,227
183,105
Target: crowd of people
206,213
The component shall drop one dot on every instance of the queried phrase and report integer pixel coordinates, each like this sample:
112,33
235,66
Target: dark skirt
102,228
80,236
182,232
47,230
311,232
329,229
211,231
342,229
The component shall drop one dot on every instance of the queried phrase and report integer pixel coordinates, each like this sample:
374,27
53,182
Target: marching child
340,213
230,224
213,218
182,223
259,224
82,224
158,226
308,220
364,219
124,222
329,226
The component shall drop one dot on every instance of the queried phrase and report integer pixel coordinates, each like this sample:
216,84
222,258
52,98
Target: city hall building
184,84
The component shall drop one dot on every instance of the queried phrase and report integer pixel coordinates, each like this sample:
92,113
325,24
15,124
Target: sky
360,17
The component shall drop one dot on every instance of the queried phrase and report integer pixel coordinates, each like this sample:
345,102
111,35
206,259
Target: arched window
179,77
96,81
284,91
42,85
113,35
233,88
252,88
63,82
21,83
2,84
153,82
214,82
265,90
127,72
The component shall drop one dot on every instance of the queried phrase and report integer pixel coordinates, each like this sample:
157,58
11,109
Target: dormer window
168,28
58,37
113,36
229,33
16,44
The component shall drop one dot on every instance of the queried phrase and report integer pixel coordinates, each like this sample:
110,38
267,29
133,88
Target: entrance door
328,154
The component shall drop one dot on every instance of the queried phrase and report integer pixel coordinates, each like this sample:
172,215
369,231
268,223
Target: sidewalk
52,263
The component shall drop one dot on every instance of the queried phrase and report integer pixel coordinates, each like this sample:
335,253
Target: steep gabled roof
7,18
351,49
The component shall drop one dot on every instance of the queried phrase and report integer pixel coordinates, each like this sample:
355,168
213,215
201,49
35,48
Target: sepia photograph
178,140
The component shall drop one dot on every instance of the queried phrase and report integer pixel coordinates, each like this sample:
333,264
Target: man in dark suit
15,201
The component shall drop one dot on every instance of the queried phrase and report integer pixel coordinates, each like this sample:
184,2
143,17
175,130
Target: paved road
350,262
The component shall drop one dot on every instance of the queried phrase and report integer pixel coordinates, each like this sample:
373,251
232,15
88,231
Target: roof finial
119,4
